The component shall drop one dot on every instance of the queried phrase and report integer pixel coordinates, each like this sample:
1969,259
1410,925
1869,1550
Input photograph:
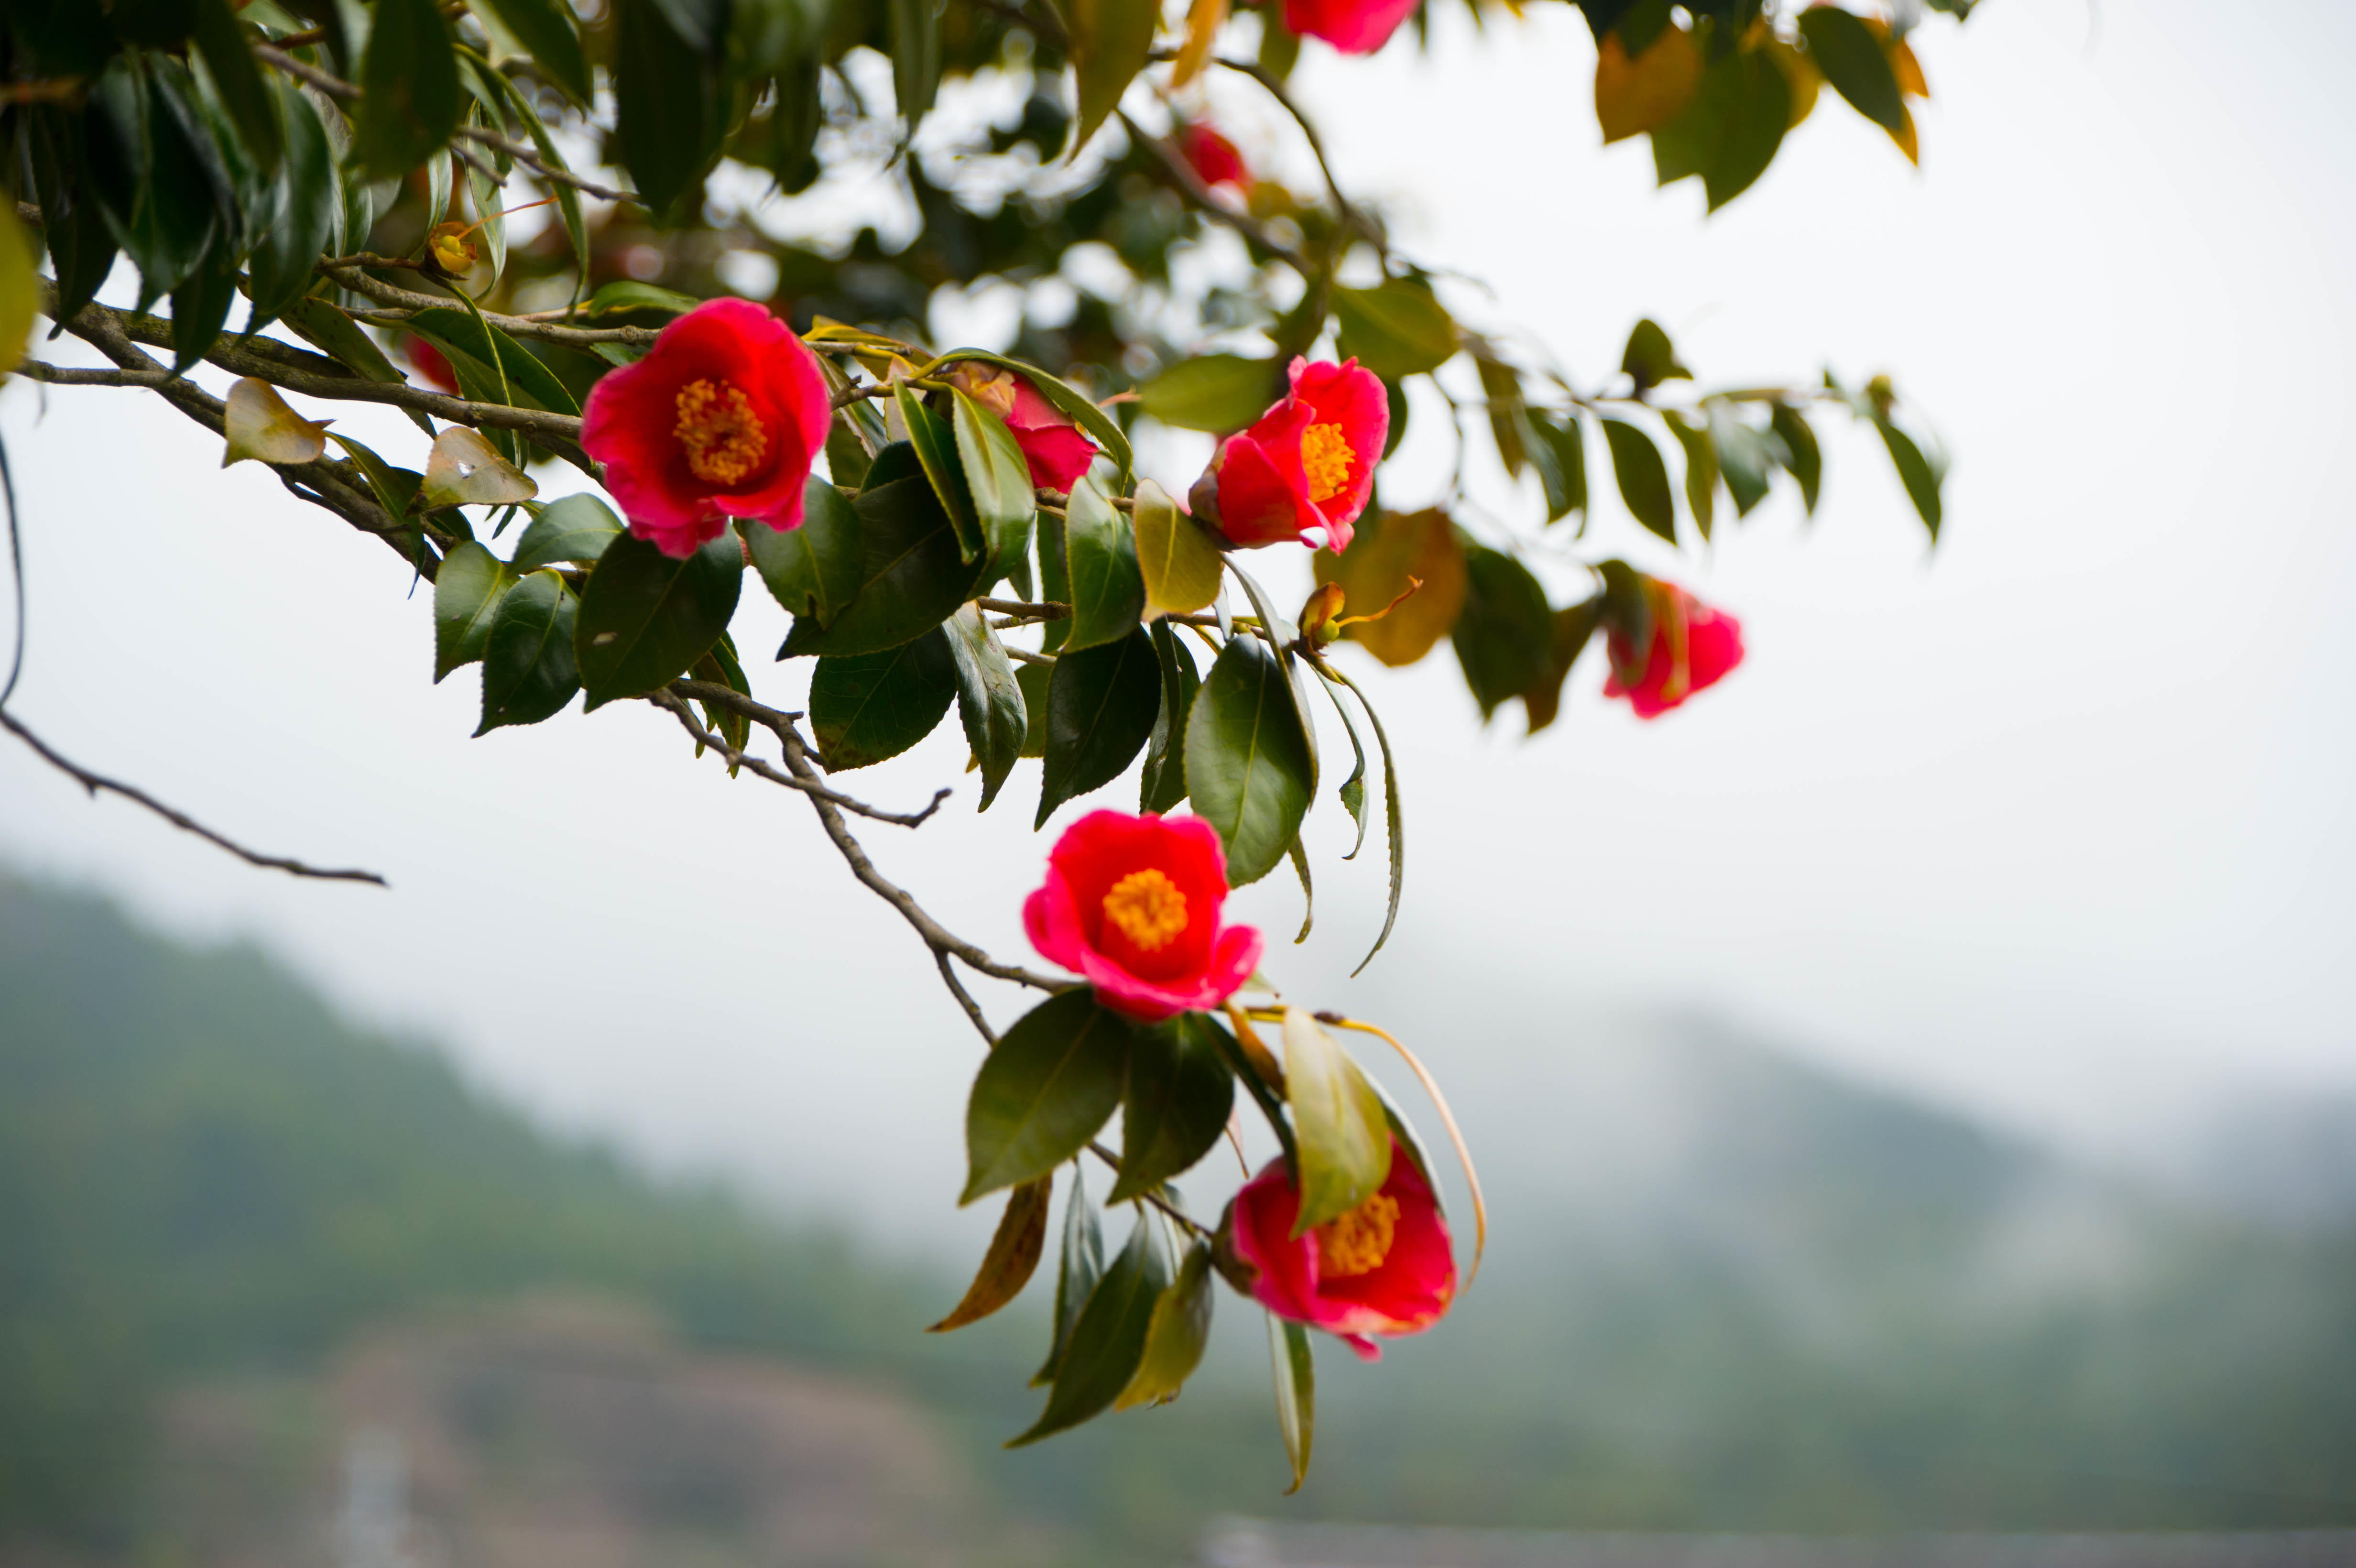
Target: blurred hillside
239,1241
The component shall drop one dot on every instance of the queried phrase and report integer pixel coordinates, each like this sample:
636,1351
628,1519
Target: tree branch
349,276
1190,185
671,701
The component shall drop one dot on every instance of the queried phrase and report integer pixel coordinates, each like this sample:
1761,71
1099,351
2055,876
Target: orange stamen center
1147,908
722,436
1326,458
1357,1243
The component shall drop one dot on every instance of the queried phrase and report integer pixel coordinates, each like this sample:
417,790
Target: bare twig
673,701
965,997
94,782
1016,610
58,90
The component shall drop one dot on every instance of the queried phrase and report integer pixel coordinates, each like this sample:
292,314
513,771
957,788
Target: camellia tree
952,529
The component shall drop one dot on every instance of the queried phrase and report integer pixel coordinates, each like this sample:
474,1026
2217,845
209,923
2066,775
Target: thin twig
1178,1216
401,299
673,701
94,782
1017,610
965,998
1190,185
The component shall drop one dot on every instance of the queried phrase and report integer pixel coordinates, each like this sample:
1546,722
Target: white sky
2055,823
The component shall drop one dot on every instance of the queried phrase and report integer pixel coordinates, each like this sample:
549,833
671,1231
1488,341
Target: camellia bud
453,247
1321,615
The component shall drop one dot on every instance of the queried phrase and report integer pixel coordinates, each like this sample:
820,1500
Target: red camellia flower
1308,464
1213,158
1384,1268
1052,446
1133,904
1353,27
721,419
1693,646
431,364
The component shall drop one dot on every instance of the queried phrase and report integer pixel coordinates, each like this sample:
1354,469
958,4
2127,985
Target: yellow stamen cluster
1147,908
1357,1243
722,436
1326,458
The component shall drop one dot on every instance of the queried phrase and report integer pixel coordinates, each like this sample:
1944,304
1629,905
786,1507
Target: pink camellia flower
1386,1267
1133,904
1309,462
1353,27
1693,646
1052,445
1213,158
721,420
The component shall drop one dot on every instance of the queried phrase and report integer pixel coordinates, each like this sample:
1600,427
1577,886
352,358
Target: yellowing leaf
1014,1251
1339,1125
1906,139
1202,21
1174,1336
261,426
1802,73
1908,71
1178,559
1374,571
464,470
1633,96
20,293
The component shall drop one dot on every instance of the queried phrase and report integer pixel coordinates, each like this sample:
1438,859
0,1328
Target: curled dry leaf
261,426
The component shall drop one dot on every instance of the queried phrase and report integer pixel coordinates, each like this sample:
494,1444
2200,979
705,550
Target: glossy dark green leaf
812,570
1174,1106
1845,50
911,576
1212,392
1701,469
1296,1394
1644,478
340,338
1107,1343
1176,1335
1080,1264
410,95
989,698
720,666
529,673
998,478
1502,634
158,178
1250,770
1164,785
1650,358
1558,451
310,197
574,530
1045,1088
1111,41
1396,329
916,57
1916,471
934,445
238,81
1337,1122
866,707
1801,455
395,488
1015,1248
1101,704
1107,592
545,28
1034,679
645,616
81,247
668,106
200,308
467,594
1728,133
627,297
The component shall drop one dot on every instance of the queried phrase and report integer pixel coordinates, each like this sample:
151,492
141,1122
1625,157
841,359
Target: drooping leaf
1250,769
1043,1091
1640,93
1014,1251
1501,388
935,444
1396,329
813,569
503,363
1107,1342
1353,792
1337,1122
1389,551
998,478
1915,471
1728,133
1174,1106
646,616
989,698
1212,392
410,96
1650,358
1296,1394
572,529
915,58
259,424
1844,48
1744,455
1503,637
867,707
1163,784
237,79
1101,704
1558,451
200,307
1080,1264
668,107
1068,400
340,338
1644,478
529,673
310,198
1034,679
1111,40
545,28
1179,562
467,594
1176,1334
462,470
1574,625
1701,469
1100,567
911,576
1801,455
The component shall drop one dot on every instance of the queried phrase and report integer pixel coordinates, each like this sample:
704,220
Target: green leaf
1068,400
989,698
936,452
81,247
1394,828
720,666
1296,1394
1214,392
1250,769
867,707
1560,454
1650,358
157,177
1505,631
200,307
997,476
528,668
545,30
1015,1248
1701,470
1107,594
911,575
1164,785
462,334
1852,59
1353,792
1745,456
1079,1266
667,104
1176,1105
1730,132
467,595
574,530
1111,40
1337,1122
1107,1342
1178,563
237,79
1801,453
1643,478
1043,1091
1501,388
1101,704
1175,1336
1055,579
645,616
915,58
812,570
410,96
1573,627
1395,329
310,197
1627,608
1915,471
395,488
627,296
1034,679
